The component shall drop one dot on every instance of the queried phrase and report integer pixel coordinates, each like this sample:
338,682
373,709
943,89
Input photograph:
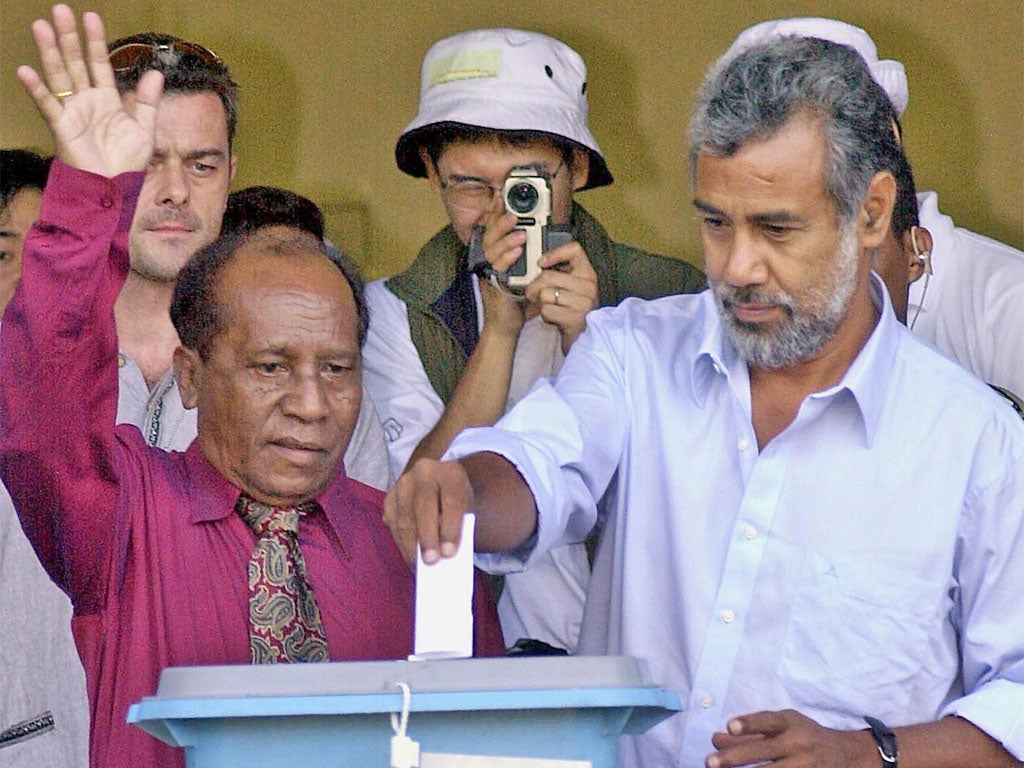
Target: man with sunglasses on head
180,209
451,347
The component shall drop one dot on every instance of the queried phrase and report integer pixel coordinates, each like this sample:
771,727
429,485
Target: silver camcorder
527,194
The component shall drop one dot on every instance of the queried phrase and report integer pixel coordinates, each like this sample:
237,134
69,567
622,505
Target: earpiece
923,257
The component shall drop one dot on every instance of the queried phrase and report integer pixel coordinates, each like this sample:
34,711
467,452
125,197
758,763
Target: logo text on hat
465,65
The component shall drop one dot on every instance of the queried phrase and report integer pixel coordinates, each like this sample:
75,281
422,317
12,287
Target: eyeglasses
473,195
127,56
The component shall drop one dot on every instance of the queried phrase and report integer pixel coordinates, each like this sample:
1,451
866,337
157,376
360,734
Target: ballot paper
444,602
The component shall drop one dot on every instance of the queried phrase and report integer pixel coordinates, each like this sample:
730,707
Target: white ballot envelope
444,602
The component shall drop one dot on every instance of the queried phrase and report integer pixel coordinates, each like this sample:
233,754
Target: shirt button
121,362
743,444
106,202
707,702
728,616
749,532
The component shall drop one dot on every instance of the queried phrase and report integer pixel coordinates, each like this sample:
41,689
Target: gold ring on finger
556,296
63,94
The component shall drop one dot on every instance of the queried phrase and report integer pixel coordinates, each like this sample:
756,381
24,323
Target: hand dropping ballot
444,602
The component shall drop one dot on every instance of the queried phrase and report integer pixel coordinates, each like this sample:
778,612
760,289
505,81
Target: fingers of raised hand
71,67
65,70
48,105
96,51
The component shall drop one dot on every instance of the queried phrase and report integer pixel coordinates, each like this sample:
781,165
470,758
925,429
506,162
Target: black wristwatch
886,741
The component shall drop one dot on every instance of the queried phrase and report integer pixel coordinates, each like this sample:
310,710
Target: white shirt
545,602
166,423
834,572
973,307
39,666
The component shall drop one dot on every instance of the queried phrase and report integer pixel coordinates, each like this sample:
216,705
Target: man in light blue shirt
814,517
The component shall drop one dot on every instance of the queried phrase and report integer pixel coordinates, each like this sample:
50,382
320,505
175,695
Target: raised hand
93,128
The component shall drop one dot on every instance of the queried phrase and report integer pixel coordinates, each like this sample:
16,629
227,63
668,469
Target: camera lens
522,197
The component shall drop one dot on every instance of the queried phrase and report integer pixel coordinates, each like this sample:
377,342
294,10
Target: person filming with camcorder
495,300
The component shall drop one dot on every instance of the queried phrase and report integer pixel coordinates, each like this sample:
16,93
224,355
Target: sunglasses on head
127,56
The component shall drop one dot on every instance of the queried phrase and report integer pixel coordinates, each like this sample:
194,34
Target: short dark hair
183,72
195,311
256,207
751,95
905,213
21,169
436,137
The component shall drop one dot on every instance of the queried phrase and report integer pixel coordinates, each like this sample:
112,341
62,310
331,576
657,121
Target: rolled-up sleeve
990,600
565,438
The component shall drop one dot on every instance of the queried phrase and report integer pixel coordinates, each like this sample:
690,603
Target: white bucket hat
890,75
505,80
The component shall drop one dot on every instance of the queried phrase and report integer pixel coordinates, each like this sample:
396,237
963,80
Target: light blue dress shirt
869,560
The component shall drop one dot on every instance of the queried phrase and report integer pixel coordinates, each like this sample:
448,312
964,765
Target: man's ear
428,164
917,257
188,370
876,210
580,168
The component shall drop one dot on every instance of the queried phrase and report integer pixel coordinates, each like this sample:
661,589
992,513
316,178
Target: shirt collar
866,379
714,355
213,498
868,376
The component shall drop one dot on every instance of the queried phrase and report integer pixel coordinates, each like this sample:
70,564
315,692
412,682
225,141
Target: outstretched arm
428,502
58,373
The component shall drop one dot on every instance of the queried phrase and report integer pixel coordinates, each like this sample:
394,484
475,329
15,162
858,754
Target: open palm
93,128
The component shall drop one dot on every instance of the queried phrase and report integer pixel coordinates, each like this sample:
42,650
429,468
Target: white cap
505,80
890,75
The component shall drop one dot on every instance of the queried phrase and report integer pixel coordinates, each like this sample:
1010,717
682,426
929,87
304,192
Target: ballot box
533,712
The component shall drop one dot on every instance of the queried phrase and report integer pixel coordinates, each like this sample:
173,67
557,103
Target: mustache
751,294
155,218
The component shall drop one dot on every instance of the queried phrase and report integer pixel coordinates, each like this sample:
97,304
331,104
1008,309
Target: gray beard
810,323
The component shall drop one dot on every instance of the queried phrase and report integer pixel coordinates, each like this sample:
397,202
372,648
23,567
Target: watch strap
886,741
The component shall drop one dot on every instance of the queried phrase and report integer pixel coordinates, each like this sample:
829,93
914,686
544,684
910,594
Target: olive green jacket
622,271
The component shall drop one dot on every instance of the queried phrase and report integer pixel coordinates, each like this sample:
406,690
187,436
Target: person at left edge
147,543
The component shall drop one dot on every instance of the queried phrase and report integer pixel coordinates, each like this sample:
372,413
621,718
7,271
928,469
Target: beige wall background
327,87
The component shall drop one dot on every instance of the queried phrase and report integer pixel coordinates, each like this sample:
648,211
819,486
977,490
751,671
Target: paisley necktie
284,619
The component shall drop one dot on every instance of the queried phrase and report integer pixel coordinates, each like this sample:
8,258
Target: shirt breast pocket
866,639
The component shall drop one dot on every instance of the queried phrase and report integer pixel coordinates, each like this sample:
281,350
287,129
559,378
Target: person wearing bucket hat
970,303
447,350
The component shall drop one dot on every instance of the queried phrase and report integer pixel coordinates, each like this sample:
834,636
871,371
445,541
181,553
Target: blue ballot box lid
338,714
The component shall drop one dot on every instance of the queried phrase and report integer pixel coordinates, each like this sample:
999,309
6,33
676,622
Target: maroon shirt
146,543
